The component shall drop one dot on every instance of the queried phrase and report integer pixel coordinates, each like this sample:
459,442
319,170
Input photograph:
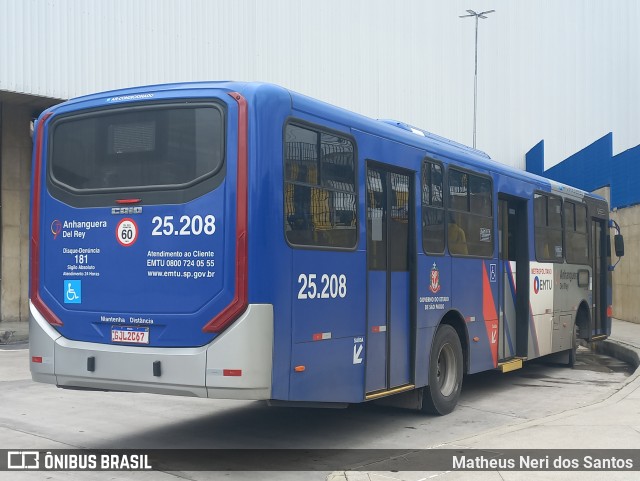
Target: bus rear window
137,148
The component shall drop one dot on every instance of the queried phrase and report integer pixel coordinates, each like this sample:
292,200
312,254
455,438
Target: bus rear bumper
235,365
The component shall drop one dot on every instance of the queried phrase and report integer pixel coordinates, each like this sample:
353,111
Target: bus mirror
618,242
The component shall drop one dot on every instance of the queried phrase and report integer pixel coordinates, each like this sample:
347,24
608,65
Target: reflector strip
322,336
128,201
378,328
37,359
34,283
609,311
299,369
232,372
240,297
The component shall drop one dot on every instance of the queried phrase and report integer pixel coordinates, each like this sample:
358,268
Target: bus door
390,218
599,277
514,269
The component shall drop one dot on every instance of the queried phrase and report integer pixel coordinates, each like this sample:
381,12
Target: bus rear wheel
445,373
574,347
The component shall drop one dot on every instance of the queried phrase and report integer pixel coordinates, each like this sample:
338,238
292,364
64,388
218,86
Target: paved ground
612,423
594,405
13,332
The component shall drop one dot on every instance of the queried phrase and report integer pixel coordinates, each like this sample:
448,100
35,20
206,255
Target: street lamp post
475,75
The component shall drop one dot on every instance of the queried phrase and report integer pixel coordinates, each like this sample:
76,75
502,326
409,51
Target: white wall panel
567,72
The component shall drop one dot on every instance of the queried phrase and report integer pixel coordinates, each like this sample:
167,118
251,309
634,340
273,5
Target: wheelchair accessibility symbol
72,292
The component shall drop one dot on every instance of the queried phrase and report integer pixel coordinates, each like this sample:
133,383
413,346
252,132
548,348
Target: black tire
445,373
574,347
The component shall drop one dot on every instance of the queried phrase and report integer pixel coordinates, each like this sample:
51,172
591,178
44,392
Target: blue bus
242,241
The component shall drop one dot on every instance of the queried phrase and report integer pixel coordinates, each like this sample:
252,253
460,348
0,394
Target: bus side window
319,191
576,237
471,214
548,223
432,208
457,238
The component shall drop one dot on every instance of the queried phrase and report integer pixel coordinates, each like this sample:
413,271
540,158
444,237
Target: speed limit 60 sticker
127,232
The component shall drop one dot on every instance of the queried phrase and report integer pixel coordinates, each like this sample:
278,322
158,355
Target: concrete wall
15,159
626,282
566,72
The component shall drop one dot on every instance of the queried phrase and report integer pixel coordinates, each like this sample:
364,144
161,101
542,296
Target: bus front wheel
445,373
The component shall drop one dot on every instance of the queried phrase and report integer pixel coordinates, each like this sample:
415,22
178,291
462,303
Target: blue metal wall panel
534,160
594,167
625,177
587,169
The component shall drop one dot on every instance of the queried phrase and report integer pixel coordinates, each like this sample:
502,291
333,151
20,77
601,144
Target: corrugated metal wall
566,71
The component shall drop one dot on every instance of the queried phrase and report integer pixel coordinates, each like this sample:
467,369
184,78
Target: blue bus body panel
324,313
400,326
270,257
376,365
348,359
330,374
432,304
119,286
172,284
328,331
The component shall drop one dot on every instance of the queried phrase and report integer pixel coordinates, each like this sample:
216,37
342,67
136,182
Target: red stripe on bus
239,303
490,315
34,286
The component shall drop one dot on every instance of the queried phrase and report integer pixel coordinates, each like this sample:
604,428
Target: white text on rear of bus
186,225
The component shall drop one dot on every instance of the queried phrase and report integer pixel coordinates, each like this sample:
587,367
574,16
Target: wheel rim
447,370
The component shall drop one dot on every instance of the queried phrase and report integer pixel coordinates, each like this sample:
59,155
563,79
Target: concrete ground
595,405
13,332
611,423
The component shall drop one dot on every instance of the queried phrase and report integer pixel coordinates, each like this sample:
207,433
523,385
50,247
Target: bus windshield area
127,148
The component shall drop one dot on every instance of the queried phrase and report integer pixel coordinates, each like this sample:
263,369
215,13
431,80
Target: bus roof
436,146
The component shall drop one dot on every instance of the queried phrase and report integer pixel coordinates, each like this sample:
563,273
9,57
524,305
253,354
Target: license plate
131,335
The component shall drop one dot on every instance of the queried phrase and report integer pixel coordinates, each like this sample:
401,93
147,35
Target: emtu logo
541,284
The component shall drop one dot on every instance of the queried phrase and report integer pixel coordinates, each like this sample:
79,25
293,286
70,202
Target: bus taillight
34,287
609,311
240,302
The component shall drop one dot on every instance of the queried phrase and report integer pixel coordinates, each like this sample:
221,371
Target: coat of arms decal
434,286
